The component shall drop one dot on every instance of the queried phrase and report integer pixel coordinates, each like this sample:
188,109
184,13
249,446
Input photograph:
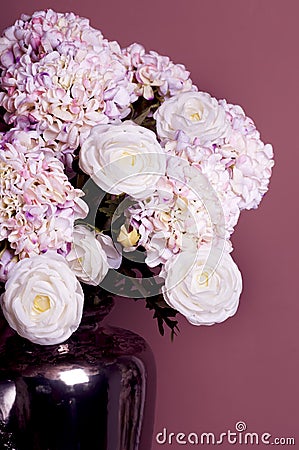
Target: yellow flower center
41,303
204,279
195,117
133,158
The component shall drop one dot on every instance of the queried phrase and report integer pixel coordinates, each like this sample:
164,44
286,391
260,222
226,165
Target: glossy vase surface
96,391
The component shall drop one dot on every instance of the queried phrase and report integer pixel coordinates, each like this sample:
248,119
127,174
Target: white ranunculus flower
88,258
43,300
197,114
123,158
205,295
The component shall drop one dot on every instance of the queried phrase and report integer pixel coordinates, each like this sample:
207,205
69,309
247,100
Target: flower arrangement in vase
117,172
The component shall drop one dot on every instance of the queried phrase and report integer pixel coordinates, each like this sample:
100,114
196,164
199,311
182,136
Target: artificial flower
123,158
61,77
38,205
128,239
153,71
43,300
87,258
197,114
205,289
183,208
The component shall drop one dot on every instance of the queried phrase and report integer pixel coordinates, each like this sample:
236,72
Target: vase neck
97,305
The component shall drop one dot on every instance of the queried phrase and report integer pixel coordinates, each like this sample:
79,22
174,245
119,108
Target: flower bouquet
118,175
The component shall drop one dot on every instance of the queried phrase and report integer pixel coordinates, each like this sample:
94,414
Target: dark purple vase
96,391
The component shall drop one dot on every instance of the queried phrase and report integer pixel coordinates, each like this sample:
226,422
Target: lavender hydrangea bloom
151,70
38,204
61,77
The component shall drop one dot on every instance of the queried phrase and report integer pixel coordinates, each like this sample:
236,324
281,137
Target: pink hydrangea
38,204
239,121
7,261
45,32
183,213
238,167
209,162
61,77
151,70
249,163
248,160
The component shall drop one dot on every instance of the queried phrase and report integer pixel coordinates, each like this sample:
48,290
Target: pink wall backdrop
248,367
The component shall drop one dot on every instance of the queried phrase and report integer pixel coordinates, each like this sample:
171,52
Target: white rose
87,258
123,158
197,114
43,300
203,295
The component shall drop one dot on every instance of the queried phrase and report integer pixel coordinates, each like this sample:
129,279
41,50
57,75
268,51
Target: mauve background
248,367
